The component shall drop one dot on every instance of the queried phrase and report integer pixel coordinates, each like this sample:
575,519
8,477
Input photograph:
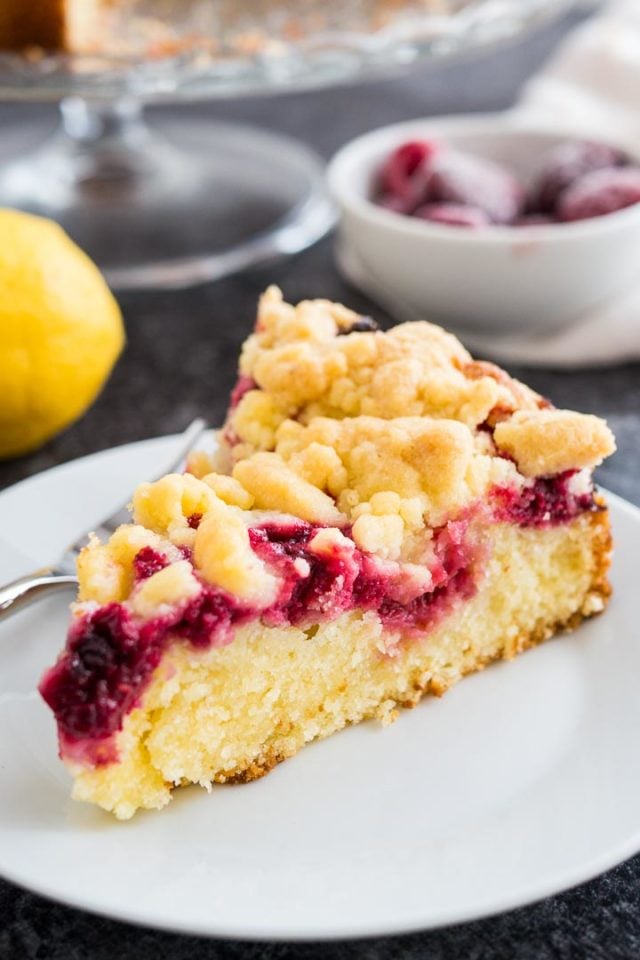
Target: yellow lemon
61,331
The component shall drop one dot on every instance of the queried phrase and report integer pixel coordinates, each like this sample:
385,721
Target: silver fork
61,575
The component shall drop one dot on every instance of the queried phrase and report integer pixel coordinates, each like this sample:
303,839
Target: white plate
522,781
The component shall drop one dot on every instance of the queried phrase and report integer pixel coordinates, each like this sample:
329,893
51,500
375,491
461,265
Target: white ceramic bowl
495,279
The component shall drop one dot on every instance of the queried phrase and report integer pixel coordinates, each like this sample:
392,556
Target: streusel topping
300,365
551,441
384,435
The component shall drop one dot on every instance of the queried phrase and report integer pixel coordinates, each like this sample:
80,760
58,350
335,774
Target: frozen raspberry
403,178
565,164
600,192
533,220
475,182
453,214
399,204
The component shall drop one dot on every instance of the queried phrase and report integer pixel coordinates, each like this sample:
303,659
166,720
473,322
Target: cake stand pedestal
169,204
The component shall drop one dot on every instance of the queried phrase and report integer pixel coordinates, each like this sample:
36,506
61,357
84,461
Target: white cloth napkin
590,87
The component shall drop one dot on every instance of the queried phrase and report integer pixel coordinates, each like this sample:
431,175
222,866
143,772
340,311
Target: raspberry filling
547,502
110,654
147,562
106,663
243,385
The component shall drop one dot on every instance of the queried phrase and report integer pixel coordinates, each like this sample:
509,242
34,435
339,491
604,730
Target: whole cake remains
382,516
52,24
114,28
157,28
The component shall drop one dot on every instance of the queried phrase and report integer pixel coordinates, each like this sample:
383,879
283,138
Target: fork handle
21,593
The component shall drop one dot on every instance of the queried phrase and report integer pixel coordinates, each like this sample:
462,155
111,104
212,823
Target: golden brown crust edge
594,602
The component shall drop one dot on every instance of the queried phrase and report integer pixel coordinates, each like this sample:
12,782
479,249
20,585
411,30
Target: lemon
61,331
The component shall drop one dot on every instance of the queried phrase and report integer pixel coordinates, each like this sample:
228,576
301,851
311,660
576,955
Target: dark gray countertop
151,393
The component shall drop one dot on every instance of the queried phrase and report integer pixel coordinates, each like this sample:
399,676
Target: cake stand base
169,204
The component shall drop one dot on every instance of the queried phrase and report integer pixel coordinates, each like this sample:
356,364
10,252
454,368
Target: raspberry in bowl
481,228
578,179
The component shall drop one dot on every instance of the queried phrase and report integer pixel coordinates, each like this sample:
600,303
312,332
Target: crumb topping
552,441
383,436
303,367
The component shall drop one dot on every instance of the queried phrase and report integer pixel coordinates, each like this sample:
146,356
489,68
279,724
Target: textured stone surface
153,393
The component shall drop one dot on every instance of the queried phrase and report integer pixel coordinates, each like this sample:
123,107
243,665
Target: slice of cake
383,516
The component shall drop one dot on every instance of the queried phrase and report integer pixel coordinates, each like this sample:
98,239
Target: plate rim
571,877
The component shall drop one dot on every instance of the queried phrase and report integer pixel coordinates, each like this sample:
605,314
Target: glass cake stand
170,204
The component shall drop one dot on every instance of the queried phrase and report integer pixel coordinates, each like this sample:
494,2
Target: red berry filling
107,662
548,501
243,385
314,585
147,562
110,655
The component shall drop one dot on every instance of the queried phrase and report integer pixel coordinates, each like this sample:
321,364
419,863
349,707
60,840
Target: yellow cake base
232,713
